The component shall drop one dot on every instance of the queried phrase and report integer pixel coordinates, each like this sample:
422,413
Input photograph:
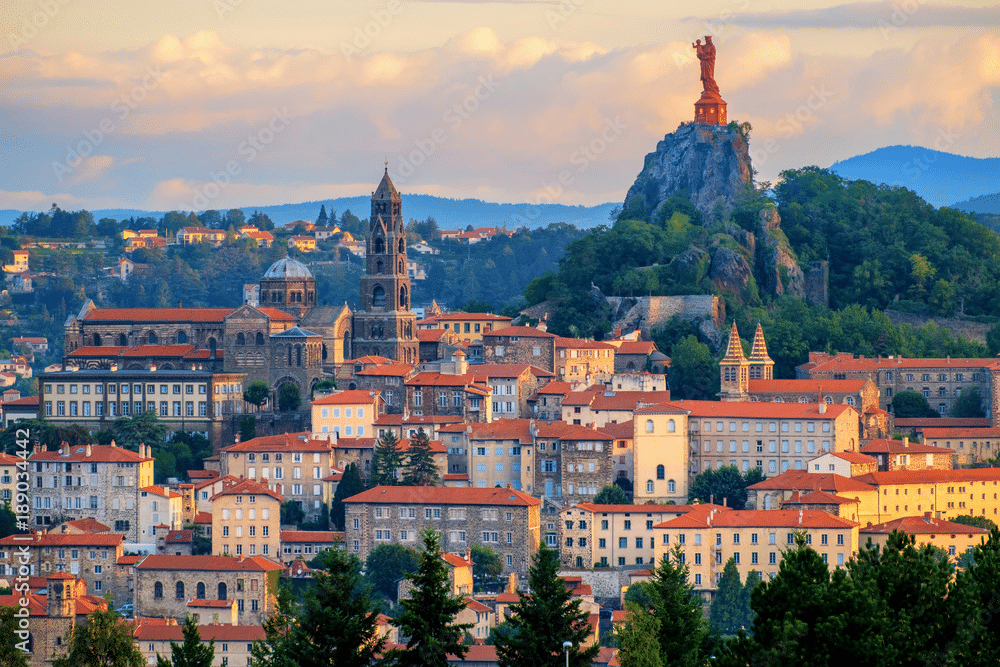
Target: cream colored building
953,538
246,521
232,642
350,413
293,465
614,535
754,539
158,506
578,360
846,464
8,477
945,493
660,454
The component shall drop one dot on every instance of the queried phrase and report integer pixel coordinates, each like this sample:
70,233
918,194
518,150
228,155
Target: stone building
520,345
586,361
387,379
506,520
246,517
906,455
495,453
91,558
511,385
100,482
458,394
939,380
954,538
572,462
232,642
291,464
466,326
164,584
968,445
350,413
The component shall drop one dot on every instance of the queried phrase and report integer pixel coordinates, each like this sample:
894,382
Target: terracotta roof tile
820,498
841,363
348,397
934,433
799,480
97,351
643,347
68,539
923,525
501,429
854,457
761,518
942,422
456,561
758,410
285,442
930,476
302,536
580,343
481,371
208,563
886,446
179,537
645,509
248,487
99,454
526,332
88,525
388,370
564,431
807,386
220,633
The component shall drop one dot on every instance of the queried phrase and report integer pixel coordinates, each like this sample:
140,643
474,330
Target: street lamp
566,647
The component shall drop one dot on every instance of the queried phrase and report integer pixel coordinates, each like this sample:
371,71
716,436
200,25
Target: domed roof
288,268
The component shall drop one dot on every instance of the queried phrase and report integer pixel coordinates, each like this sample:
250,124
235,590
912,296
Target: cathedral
287,338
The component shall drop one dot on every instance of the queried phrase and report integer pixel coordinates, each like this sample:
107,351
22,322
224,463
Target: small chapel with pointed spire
736,369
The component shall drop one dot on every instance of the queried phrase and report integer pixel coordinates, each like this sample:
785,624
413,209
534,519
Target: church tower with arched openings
384,325
734,369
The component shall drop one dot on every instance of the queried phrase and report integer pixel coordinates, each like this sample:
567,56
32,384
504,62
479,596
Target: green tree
191,652
977,521
974,601
350,485
10,654
638,638
969,404
338,621
724,486
387,564
543,619
289,397
257,393
679,608
8,521
387,461
104,641
611,494
693,374
144,427
420,468
911,404
428,618
725,611
292,513
275,650
322,220
486,563
248,428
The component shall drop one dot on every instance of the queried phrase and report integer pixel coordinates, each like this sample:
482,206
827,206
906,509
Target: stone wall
606,583
817,283
649,313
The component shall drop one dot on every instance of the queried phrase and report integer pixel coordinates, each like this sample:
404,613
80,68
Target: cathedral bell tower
384,325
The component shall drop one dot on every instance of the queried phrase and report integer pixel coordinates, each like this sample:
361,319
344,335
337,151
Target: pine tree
421,469
543,619
10,654
974,601
104,641
350,485
387,459
682,626
638,638
192,652
275,649
428,618
725,611
322,220
338,622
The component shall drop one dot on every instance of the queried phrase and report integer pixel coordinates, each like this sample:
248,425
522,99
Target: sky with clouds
194,104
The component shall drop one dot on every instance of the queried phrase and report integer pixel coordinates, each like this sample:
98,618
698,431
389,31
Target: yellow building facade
349,413
246,521
954,538
660,455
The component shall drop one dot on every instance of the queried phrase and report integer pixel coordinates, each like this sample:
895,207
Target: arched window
180,590
298,355
122,340
660,472
152,338
400,265
402,297
182,337
260,339
379,245
324,351
223,591
402,245
97,339
347,345
672,486
201,590
649,426
378,297
212,345
241,340
289,355
850,399
158,590
671,426
649,486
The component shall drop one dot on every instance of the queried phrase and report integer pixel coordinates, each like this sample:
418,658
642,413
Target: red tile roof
132,315
220,633
934,433
820,498
477,606
481,371
462,317
431,335
527,332
202,518
923,525
886,446
276,315
758,410
99,454
556,388
210,603
930,476
501,429
643,347
807,386
285,442
248,487
942,422
843,363
456,561
645,509
444,496
179,537
755,518
67,539
89,525
427,378
393,370
620,431
208,563
854,457
97,351
161,491
349,397
27,401
580,343
800,480
157,351
564,431
355,443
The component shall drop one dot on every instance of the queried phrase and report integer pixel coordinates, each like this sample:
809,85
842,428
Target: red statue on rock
711,108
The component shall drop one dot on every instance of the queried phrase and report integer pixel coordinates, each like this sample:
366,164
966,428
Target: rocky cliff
711,163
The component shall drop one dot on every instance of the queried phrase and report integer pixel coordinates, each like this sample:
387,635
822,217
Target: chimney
113,443
468,555
237,438
906,441
113,367
822,406
800,517
152,367
64,449
89,450
461,363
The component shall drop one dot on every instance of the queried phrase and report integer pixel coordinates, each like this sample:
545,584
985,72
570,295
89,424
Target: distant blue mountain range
449,213
940,178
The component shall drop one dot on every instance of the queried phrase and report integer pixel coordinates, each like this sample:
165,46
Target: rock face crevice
711,163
